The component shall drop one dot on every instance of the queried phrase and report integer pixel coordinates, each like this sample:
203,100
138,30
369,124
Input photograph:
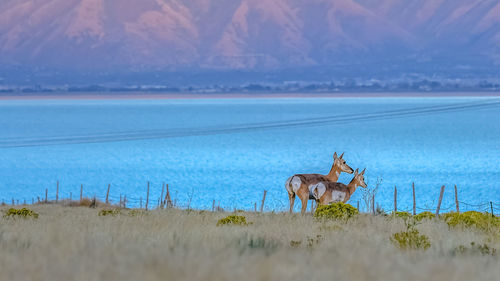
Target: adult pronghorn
327,192
302,184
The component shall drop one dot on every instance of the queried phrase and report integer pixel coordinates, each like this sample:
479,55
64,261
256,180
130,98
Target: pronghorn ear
356,172
341,155
363,172
335,156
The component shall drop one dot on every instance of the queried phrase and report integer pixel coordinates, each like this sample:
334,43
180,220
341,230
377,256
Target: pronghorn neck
334,173
352,186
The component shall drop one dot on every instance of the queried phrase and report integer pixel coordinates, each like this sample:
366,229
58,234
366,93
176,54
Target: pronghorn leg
304,197
292,201
304,205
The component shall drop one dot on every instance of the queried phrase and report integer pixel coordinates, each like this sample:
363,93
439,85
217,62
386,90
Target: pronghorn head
359,178
340,163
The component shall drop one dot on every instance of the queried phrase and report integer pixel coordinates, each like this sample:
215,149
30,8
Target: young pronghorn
328,192
302,184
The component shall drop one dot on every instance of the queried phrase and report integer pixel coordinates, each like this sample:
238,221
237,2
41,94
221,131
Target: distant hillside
257,35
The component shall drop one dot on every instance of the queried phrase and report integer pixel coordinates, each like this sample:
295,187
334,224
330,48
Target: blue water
230,150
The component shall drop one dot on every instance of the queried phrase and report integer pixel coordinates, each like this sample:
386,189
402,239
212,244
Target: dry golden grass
77,244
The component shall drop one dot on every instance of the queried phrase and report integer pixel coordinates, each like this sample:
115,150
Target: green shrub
137,212
337,210
483,221
411,240
233,219
403,215
109,212
23,213
474,250
424,215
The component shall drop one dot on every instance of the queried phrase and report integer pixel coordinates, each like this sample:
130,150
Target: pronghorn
327,192
302,184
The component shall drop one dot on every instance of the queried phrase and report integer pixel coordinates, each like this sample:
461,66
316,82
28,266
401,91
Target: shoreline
177,96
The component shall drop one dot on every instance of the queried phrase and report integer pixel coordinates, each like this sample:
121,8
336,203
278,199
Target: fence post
414,201
255,207
373,204
491,206
213,205
71,196
161,196
81,192
147,197
57,192
456,200
107,194
439,202
46,193
263,200
168,200
125,201
395,200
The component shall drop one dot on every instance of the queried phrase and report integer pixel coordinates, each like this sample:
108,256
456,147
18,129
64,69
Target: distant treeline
424,85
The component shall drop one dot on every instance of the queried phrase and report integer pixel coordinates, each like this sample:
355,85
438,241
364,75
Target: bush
483,221
337,210
137,212
474,250
410,239
424,215
233,219
109,212
23,213
403,215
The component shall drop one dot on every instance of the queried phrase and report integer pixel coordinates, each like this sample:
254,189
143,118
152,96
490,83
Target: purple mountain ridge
243,34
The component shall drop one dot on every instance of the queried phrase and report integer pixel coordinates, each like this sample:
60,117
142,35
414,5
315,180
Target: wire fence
271,203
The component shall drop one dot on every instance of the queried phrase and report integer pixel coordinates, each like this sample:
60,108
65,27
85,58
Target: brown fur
338,166
358,180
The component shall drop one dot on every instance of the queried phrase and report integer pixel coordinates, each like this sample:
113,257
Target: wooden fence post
107,194
414,200
373,204
213,205
263,200
81,192
147,197
439,202
46,195
456,200
168,200
395,200
57,192
162,204
491,206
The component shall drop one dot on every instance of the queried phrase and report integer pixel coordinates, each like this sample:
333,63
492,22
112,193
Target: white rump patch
295,184
338,196
317,190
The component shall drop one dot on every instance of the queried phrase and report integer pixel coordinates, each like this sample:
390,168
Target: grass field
76,243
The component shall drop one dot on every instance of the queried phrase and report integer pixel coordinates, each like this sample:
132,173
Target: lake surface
230,150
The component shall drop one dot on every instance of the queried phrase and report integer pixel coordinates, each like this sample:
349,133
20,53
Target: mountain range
255,35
